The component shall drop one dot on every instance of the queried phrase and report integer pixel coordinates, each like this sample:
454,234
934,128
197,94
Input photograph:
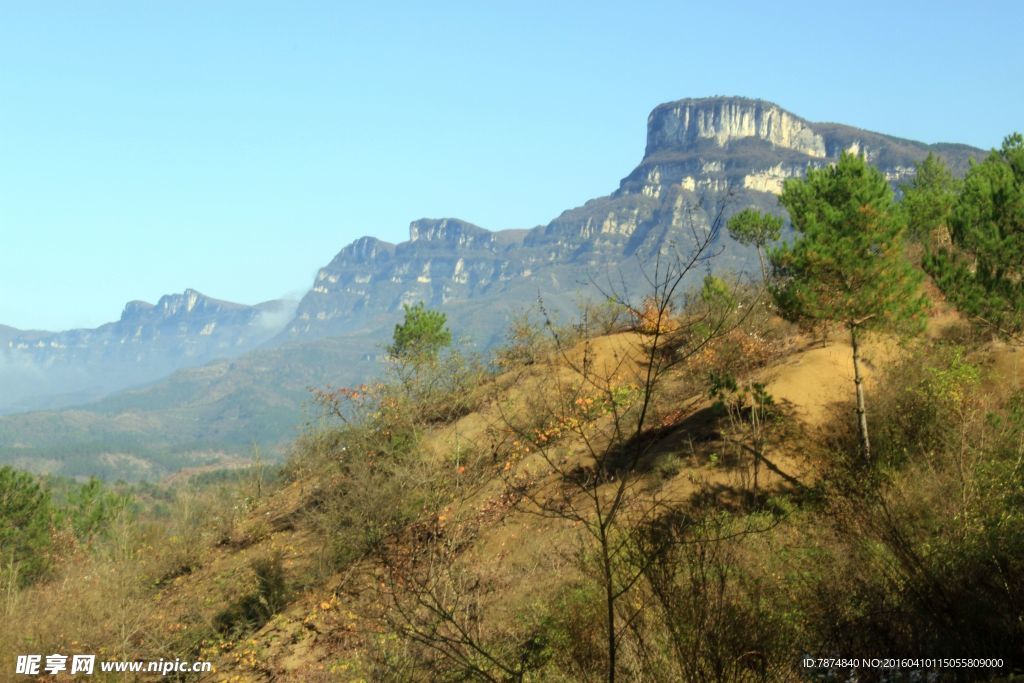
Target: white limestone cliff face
652,184
770,179
452,231
722,120
899,174
622,223
172,305
704,184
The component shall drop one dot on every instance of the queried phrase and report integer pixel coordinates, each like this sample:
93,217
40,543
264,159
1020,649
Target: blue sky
235,147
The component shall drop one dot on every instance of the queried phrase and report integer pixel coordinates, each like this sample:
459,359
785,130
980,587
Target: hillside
215,413
449,527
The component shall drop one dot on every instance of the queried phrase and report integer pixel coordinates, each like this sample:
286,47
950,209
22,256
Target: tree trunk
609,605
862,417
764,269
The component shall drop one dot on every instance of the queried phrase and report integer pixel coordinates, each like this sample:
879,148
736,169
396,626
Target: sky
236,147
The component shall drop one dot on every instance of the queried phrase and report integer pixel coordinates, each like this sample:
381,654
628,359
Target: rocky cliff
700,154
680,126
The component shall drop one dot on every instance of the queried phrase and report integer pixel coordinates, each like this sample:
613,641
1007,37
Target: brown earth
524,557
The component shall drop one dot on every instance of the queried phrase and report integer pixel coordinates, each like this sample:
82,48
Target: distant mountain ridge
147,342
700,154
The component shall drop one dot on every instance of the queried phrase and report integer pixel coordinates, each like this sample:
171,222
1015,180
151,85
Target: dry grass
157,590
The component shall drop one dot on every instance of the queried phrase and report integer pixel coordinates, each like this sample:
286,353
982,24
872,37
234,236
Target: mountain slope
196,416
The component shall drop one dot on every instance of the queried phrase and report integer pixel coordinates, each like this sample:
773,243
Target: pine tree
983,271
420,336
847,264
928,201
26,515
751,227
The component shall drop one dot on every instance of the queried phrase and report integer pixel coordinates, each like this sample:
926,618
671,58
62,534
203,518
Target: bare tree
588,428
592,434
440,606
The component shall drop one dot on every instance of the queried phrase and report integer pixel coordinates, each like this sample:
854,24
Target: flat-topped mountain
699,154
756,145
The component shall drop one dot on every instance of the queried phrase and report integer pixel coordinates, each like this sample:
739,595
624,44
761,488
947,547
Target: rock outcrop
679,126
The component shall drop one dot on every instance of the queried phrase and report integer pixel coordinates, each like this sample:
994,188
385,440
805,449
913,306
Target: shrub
525,343
606,316
91,508
256,608
708,616
929,547
371,480
927,402
652,318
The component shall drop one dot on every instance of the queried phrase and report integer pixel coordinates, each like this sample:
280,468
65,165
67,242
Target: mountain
701,155
54,369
